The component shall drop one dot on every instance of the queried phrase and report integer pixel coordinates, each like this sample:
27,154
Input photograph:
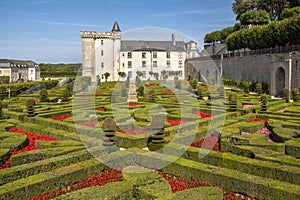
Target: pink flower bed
246,106
282,110
133,132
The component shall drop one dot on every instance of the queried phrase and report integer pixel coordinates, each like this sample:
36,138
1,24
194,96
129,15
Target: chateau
25,70
106,52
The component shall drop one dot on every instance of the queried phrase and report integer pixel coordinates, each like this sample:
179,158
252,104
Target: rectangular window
180,73
168,63
129,55
130,74
154,63
129,64
101,42
143,54
123,64
102,65
102,52
180,55
144,74
143,63
168,55
180,63
0,72
154,54
123,54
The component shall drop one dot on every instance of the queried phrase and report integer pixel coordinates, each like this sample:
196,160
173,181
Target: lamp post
290,75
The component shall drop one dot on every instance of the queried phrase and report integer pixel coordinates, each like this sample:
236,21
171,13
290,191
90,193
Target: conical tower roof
116,27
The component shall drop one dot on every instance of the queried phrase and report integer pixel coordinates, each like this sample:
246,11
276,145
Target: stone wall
272,69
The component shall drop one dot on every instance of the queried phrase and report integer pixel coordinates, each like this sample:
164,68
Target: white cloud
188,12
65,23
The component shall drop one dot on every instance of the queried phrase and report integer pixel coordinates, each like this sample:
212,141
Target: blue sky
48,30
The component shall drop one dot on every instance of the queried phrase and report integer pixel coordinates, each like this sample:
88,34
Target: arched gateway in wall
280,81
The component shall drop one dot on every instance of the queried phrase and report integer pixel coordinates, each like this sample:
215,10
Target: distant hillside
59,70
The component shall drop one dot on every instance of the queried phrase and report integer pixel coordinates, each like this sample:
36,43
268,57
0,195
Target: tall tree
241,6
106,75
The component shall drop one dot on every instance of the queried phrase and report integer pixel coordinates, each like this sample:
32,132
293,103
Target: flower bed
133,132
265,131
257,120
100,109
90,124
203,114
246,106
175,122
178,184
105,177
149,85
210,142
61,117
133,104
167,92
31,144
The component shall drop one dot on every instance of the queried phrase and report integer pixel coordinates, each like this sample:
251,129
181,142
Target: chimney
174,39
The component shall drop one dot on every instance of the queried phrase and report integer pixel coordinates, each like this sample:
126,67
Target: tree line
60,70
261,24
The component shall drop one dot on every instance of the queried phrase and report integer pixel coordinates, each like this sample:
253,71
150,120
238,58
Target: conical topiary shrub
200,92
152,96
246,87
233,100
258,88
30,103
1,106
109,127
221,92
65,95
264,103
44,95
140,91
296,95
286,95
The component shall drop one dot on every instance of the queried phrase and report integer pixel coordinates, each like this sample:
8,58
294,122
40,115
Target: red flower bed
100,109
149,85
175,122
133,104
210,142
203,114
61,117
105,177
31,145
167,92
133,132
257,120
90,124
178,184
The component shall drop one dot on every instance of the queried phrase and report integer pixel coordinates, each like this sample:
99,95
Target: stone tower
100,52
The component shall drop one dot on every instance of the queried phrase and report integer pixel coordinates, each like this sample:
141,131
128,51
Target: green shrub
44,95
286,95
152,96
296,95
258,88
233,100
264,103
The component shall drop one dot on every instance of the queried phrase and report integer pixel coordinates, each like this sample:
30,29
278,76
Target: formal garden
193,141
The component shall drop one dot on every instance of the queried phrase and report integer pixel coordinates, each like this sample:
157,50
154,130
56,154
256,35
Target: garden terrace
255,153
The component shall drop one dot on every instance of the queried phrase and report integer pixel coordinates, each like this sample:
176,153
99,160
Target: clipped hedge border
252,166
54,179
260,187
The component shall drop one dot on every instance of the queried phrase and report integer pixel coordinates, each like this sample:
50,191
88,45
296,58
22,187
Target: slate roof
18,62
140,45
116,27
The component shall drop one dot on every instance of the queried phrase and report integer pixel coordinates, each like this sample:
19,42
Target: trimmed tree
286,95
296,96
233,99
264,101
140,91
109,128
30,103
200,92
1,106
44,95
152,96
258,88
106,75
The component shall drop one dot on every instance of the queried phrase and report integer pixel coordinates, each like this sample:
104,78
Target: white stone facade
19,70
105,52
